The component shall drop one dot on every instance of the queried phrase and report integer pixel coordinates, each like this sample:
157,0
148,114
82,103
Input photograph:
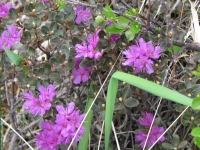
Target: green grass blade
110,103
143,84
153,88
83,144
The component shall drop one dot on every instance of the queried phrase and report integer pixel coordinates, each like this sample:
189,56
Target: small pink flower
82,74
4,9
146,119
82,15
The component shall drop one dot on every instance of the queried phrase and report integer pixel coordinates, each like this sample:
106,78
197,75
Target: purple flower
15,34
155,133
110,23
114,37
82,15
89,51
140,56
82,50
146,119
81,74
9,37
143,64
131,56
42,104
4,10
94,39
47,93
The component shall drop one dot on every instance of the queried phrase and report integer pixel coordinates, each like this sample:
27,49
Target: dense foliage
57,56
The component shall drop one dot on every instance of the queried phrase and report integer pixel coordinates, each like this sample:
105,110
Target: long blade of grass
143,84
110,103
83,144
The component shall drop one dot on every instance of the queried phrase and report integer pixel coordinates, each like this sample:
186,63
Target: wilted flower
140,56
114,37
82,74
82,15
110,23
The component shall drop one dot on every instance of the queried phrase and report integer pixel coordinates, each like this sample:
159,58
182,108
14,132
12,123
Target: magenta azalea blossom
48,93
9,37
42,104
82,15
81,50
15,34
93,39
146,119
89,51
143,64
82,74
155,133
4,9
140,56
114,37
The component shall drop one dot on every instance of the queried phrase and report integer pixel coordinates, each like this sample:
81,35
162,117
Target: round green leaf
196,132
196,103
13,13
131,102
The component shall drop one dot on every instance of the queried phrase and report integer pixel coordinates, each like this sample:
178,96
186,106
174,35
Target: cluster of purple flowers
9,37
42,103
89,51
86,51
4,9
155,133
82,15
140,56
66,124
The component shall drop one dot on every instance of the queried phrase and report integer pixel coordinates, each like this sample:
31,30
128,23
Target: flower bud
120,99
33,23
189,95
28,86
103,105
99,19
192,118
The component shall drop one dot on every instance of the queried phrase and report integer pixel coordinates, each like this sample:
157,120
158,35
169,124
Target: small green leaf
53,26
13,13
197,141
135,27
196,103
123,21
99,19
109,13
129,35
176,139
131,102
196,132
61,5
182,144
14,58
195,73
39,6
167,146
114,30
175,48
